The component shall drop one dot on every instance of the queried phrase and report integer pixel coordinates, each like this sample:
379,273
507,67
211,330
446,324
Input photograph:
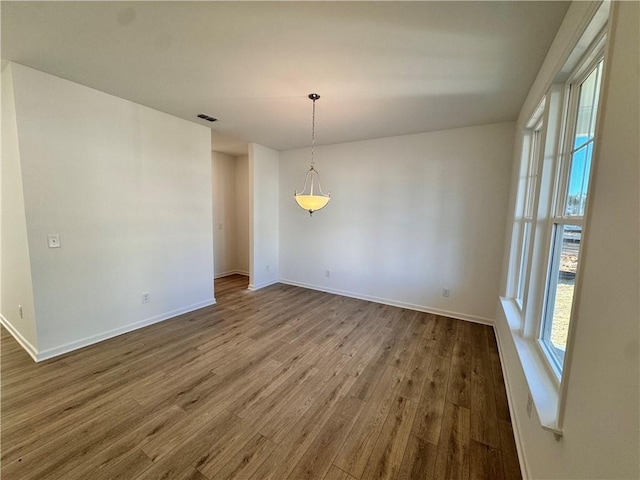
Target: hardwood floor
274,384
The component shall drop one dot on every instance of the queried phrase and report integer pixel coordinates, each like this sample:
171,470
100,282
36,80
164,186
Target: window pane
587,106
524,259
566,252
582,148
578,180
532,173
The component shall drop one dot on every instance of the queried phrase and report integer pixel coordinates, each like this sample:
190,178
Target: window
552,198
572,186
550,211
524,222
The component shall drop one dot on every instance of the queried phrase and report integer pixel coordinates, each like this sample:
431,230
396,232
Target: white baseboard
393,303
253,287
24,343
231,272
39,356
524,470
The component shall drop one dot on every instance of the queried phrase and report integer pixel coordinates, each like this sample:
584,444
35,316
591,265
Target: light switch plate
53,241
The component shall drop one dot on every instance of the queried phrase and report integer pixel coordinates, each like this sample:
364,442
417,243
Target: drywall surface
16,284
601,423
128,190
224,213
264,223
230,213
242,214
408,216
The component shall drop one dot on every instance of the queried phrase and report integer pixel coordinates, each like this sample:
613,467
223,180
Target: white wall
601,424
16,283
224,213
408,216
128,189
242,214
230,213
264,232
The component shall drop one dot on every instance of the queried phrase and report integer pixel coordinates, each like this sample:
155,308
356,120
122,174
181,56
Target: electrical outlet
20,311
53,241
268,267
327,273
146,297
445,292
529,405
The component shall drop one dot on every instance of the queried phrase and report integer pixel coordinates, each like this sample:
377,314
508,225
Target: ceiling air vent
206,117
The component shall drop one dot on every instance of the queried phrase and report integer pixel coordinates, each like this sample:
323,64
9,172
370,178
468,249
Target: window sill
542,382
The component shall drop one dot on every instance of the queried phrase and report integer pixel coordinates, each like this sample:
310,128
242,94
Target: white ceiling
381,68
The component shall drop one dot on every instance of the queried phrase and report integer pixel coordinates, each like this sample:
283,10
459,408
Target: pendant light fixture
313,200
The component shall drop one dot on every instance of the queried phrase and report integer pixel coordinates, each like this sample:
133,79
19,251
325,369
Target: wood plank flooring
282,383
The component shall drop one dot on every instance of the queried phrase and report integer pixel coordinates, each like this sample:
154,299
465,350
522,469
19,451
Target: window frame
548,386
525,218
557,218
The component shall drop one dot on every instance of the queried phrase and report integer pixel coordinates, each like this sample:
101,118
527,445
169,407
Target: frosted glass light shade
311,203
306,198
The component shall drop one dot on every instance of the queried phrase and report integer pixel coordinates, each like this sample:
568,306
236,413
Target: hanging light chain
313,130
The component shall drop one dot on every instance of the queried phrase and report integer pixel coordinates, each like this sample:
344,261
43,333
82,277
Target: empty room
320,240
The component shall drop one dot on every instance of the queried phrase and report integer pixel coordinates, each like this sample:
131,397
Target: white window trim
556,213
549,390
534,158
